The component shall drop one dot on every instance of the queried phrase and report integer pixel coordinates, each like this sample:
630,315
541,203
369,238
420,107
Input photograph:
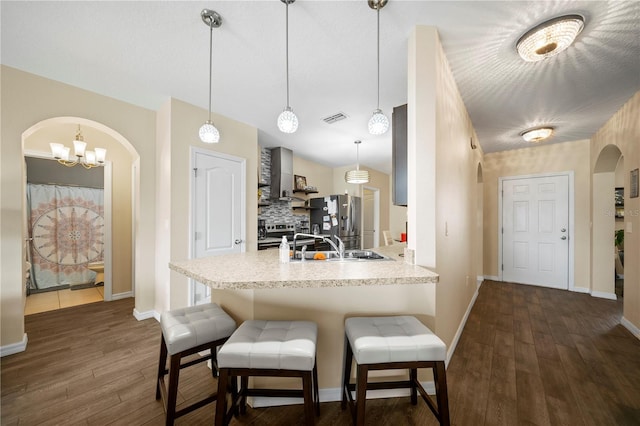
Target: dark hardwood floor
527,356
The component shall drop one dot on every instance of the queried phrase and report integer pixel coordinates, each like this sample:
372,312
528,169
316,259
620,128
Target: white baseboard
334,395
456,337
140,316
580,290
492,277
629,326
14,348
604,295
124,295
479,280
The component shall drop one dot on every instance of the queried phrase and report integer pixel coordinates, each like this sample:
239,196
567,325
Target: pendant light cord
210,61
287,48
378,53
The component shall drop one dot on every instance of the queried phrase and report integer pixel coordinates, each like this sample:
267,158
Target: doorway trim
570,175
107,200
376,215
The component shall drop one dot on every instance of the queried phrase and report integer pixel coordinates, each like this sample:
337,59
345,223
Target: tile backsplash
277,211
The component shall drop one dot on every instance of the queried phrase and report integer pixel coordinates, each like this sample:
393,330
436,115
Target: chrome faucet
338,250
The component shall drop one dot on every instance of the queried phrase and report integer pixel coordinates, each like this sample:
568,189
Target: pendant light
357,175
287,120
208,132
378,123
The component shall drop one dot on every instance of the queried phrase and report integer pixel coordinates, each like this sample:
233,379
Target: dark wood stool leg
347,359
307,386
440,379
214,361
244,385
316,393
221,403
172,392
413,378
162,366
361,393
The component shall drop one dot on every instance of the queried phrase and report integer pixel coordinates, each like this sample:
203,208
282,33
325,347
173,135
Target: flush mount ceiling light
88,159
378,123
287,120
538,134
208,132
549,38
357,175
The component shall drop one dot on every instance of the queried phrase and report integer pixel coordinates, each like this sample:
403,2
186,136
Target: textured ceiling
145,52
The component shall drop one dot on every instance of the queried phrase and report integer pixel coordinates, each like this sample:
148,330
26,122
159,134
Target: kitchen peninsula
253,285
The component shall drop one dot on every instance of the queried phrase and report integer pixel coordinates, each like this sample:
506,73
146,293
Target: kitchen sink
332,256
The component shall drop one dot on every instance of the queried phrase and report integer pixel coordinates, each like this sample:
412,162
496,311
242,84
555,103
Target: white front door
218,210
535,231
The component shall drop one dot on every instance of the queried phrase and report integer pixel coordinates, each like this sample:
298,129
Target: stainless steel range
274,233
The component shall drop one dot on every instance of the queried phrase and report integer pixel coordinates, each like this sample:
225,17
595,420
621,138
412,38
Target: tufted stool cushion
269,349
286,345
392,343
393,339
189,327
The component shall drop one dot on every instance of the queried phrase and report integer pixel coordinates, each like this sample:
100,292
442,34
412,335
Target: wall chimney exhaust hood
282,175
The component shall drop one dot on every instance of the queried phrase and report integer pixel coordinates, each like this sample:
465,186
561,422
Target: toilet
98,268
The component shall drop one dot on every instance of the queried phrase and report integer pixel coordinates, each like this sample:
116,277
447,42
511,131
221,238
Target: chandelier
87,159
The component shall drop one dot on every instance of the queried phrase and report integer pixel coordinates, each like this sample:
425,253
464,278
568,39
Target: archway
120,189
603,214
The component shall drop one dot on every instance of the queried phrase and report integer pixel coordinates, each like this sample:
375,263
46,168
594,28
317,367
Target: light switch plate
629,227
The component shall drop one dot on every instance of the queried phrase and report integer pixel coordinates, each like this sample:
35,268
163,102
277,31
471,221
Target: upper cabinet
399,155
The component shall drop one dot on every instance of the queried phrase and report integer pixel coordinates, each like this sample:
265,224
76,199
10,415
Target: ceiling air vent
334,117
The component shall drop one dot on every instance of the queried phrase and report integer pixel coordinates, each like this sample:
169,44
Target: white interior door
535,231
218,206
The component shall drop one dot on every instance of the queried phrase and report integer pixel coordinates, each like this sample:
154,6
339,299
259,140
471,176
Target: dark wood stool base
169,393
357,406
309,391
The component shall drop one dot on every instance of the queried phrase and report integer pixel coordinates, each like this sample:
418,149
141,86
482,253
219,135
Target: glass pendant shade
378,123
549,38
288,121
357,176
537,135
209,133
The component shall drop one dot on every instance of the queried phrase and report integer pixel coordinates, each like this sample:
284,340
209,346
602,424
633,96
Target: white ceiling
145,52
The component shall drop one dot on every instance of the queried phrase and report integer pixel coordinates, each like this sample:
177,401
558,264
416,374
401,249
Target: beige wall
377,181
236,139
443,200
623,131
539,159
317,175
121,203
27,100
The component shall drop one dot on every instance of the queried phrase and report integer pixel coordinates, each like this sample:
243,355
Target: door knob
237,241
564,237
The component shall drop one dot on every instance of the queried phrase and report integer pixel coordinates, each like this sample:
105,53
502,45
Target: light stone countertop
261,270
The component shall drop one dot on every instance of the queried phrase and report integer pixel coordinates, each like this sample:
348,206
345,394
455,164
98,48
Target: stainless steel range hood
282,174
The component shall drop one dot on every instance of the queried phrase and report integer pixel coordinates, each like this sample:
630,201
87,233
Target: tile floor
52,300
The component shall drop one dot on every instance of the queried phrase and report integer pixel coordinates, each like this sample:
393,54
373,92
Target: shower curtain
66,224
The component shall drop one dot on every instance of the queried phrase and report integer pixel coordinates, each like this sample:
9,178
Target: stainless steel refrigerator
338,215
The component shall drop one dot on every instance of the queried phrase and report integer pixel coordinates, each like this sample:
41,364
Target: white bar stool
388,343
273,349
185,332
